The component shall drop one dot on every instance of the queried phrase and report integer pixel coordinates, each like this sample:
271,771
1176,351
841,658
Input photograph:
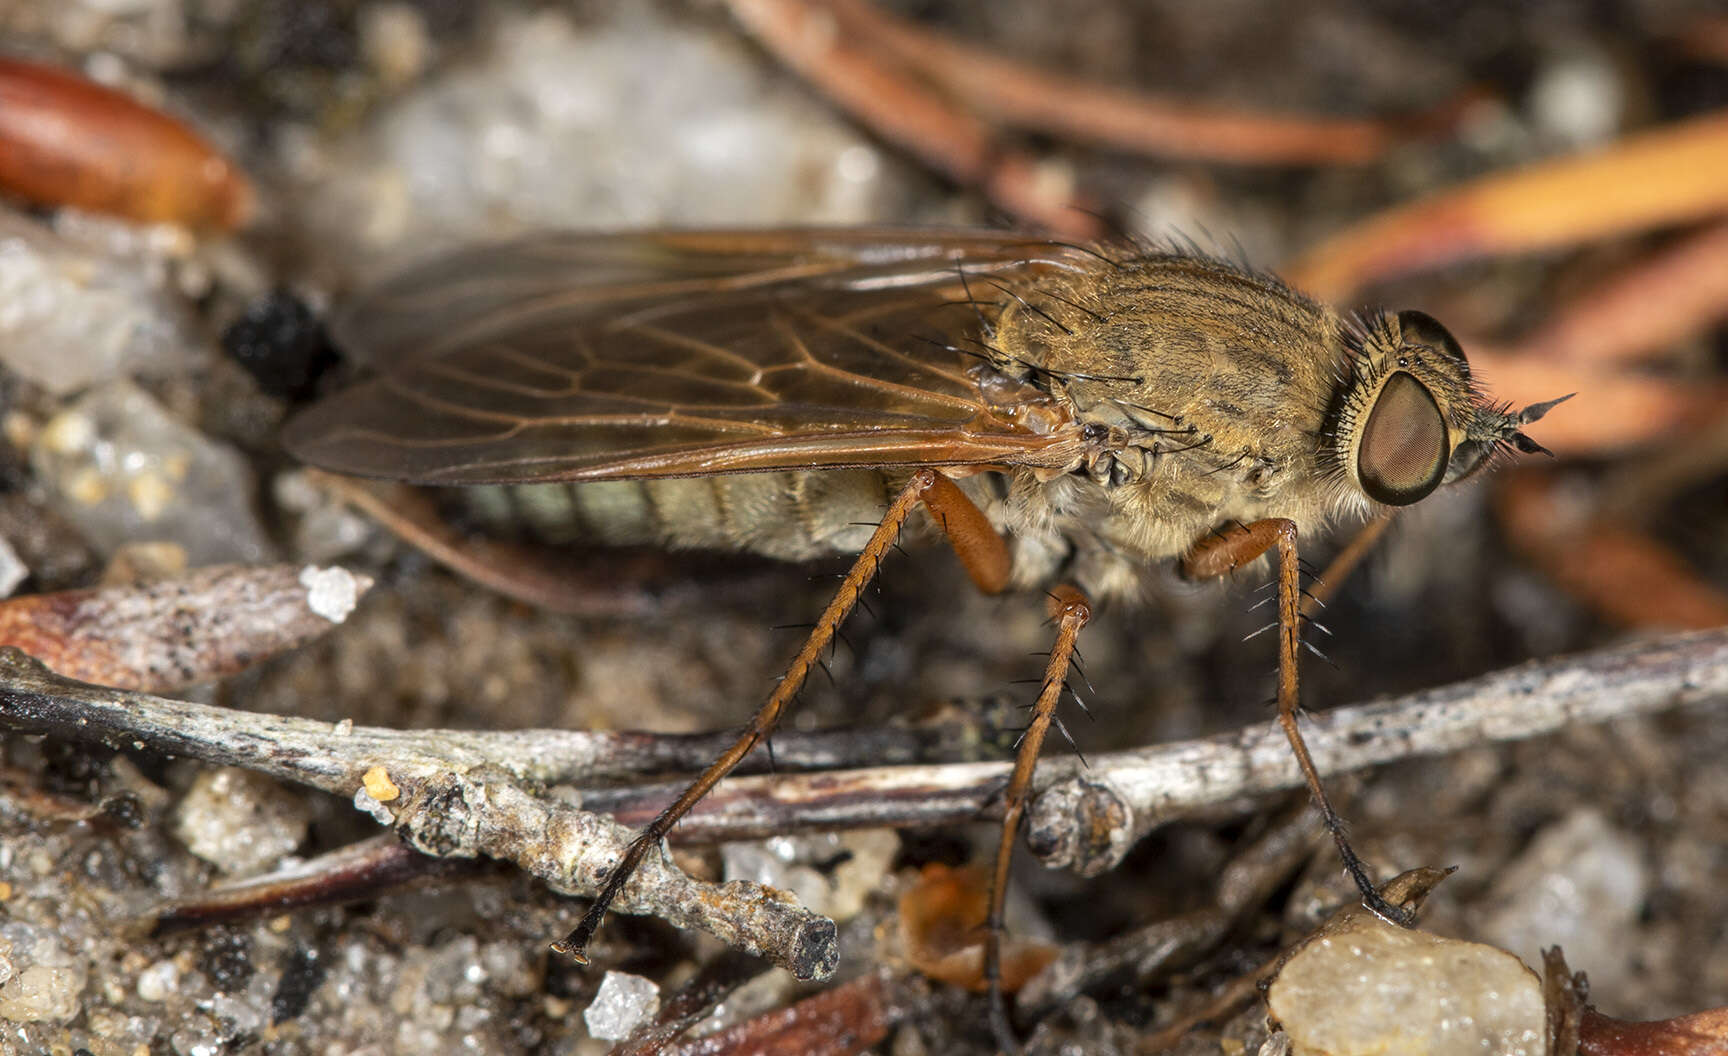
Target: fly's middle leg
985,554
1070,612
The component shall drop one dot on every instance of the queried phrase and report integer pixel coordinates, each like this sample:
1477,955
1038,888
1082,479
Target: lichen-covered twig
1149,786
573,851
469,794
1087,816
335,757
445,799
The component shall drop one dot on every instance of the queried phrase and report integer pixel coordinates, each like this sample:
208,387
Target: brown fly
1066,416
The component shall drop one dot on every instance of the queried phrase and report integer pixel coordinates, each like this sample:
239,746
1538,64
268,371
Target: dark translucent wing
588,357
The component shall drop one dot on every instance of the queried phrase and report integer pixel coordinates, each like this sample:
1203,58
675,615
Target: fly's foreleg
1221,554
981,549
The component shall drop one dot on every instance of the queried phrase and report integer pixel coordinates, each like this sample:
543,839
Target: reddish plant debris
880,93
1667,176
948,104
1645,309
1614,569
846,1019
1706,38
1021,96
1697,1034
204,625
65,140
942,924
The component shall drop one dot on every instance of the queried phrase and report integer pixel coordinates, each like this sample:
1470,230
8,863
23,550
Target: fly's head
1410,418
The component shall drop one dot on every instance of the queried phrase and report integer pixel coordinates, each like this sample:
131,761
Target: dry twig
1087,816
451,802
472,794
1024,97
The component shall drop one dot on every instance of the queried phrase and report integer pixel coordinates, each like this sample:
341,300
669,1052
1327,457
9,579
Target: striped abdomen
791,516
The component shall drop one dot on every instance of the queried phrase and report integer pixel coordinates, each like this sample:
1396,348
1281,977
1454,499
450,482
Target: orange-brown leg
975,540
985,555
1070,612
1220,554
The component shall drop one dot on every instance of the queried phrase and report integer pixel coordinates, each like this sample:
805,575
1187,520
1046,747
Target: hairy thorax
1206,392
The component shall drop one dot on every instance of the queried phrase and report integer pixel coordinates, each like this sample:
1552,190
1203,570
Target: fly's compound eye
1405,444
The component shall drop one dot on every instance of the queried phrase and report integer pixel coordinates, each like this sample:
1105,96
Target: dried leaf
942,924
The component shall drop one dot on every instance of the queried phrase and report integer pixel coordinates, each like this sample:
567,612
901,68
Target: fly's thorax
791,516
1202,385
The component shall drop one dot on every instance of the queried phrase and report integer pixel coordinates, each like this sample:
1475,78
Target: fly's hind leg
985,556
1218,555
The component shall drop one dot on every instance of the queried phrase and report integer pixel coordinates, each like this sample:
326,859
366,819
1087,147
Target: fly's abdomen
790,516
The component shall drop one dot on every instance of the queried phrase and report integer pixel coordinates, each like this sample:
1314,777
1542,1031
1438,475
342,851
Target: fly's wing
589,357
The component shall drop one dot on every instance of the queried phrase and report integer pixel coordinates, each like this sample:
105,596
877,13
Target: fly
1066,416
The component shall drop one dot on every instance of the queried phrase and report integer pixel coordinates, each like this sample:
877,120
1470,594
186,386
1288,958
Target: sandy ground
379,130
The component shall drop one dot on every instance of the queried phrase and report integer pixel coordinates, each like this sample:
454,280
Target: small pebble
330,592
72,315
1579,885
122,469
159,981
12,569
365,804
240,822
623,1003
1373,988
